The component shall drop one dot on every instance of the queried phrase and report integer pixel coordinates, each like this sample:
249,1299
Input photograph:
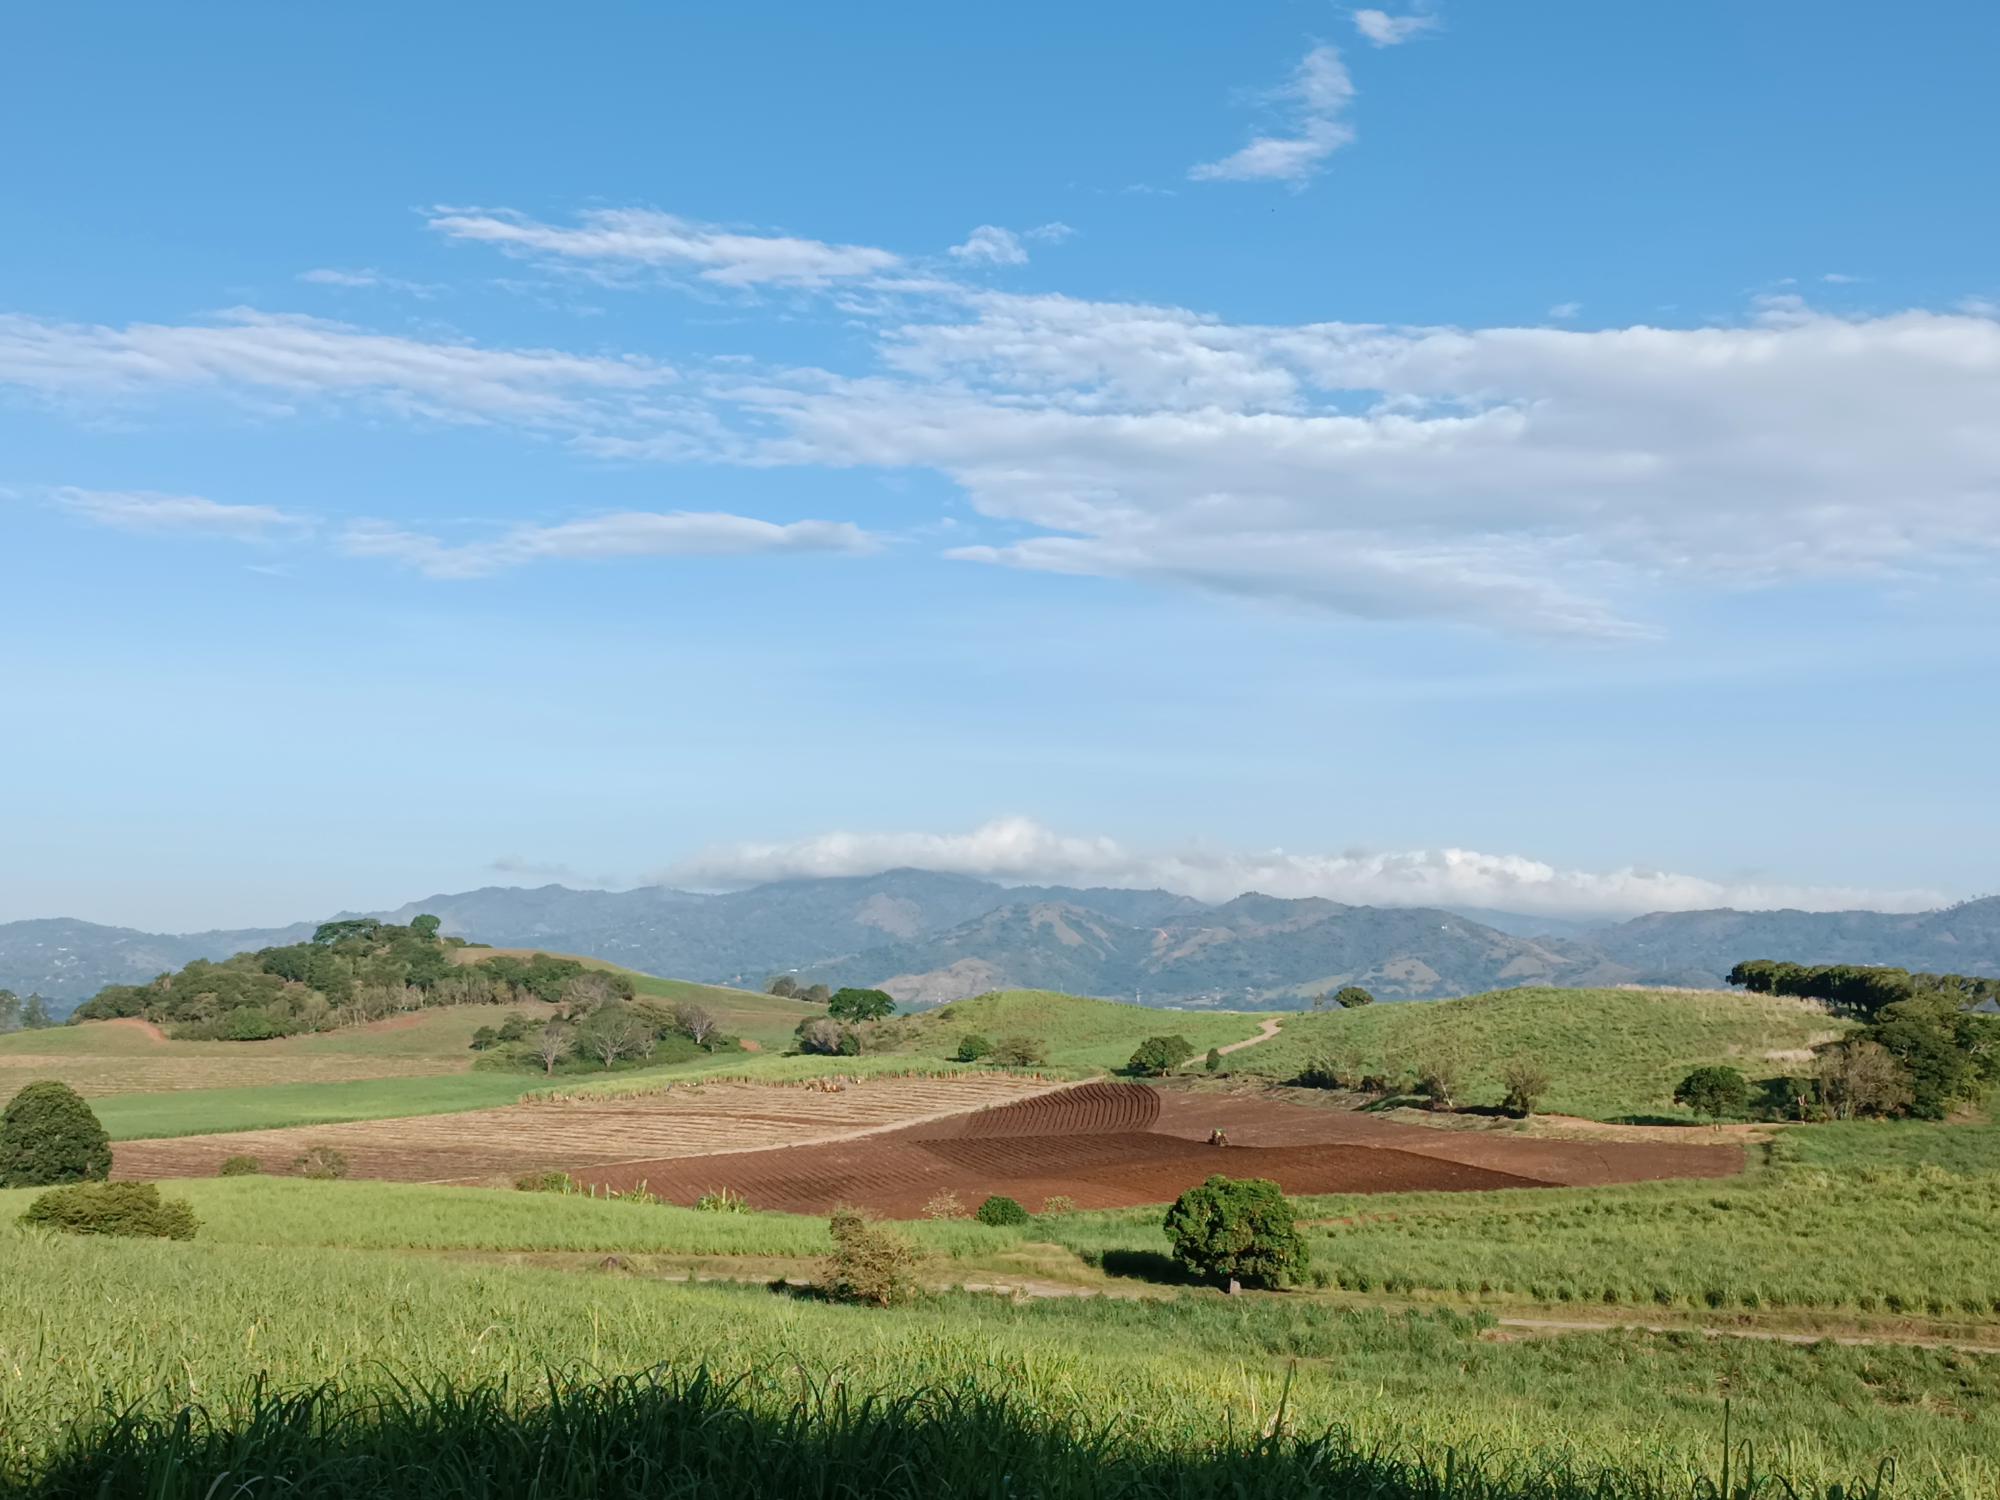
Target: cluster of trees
351,972
787,988
1922,1052
601,1032
1861,990
849,1026
1006,1052
16,1014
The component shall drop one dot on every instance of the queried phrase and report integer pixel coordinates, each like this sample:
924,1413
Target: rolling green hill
1610,1054
1078,1032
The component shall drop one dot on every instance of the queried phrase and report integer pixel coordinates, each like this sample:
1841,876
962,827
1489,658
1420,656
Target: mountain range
928,937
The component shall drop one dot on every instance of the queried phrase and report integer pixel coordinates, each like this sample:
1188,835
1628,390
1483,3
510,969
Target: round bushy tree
1233,1231
860,1005
1160,1054
48,1135
1351,996
1715,1092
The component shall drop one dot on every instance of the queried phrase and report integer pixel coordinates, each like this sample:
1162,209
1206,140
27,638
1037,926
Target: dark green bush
122,1208
972,1047
48,1135
240,1166
1001,1211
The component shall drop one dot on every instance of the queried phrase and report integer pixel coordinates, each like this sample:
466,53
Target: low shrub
321,1164
721,1201
1059,1203
240,1166
870,1263
133,1209
945,1205
1001,1211
1214,1059
545,1182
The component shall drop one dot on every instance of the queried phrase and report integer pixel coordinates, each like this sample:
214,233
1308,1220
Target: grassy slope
1079,1033
152,1320
1609,1053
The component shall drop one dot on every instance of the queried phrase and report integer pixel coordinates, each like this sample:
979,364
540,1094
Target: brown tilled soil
1117,1145
689,1120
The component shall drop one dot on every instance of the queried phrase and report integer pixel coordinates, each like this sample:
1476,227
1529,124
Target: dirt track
1114,1145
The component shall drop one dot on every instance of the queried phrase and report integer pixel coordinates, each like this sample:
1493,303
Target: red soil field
1116,1145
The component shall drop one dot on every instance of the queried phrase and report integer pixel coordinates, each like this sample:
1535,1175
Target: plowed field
699,1121
1114,1145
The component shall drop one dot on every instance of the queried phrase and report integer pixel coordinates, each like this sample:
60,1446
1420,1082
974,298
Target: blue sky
1535,456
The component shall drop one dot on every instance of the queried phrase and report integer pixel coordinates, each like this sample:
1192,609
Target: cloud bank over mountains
1022,851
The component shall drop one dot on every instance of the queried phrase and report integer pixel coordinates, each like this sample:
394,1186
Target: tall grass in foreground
671,1433
90,1327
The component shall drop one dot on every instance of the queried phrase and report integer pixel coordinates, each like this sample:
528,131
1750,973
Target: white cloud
624,534
1385,30
1533,479
1052,233
1564,311
615,238
991,246
367,279
245,352
1019,850
1316,98
1838,278
144,510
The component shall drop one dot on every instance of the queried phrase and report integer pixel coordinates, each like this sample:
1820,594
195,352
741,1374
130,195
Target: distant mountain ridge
930,937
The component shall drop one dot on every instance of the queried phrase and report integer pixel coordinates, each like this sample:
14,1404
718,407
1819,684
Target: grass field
765,1019
106,1058
1610,1054
1079,1033
164,1323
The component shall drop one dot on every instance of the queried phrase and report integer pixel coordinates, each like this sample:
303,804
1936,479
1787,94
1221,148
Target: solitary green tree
1714,1091
1348,996
425,927
1232,1231
1160,1054
860,1005
48,1135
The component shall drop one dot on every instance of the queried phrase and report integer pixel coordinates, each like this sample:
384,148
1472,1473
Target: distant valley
929,938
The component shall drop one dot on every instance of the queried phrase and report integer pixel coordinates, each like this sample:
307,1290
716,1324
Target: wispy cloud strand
140,510
624,534
1315,102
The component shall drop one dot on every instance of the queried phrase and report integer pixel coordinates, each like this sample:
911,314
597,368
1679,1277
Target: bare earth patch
589,1138
1114,1145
